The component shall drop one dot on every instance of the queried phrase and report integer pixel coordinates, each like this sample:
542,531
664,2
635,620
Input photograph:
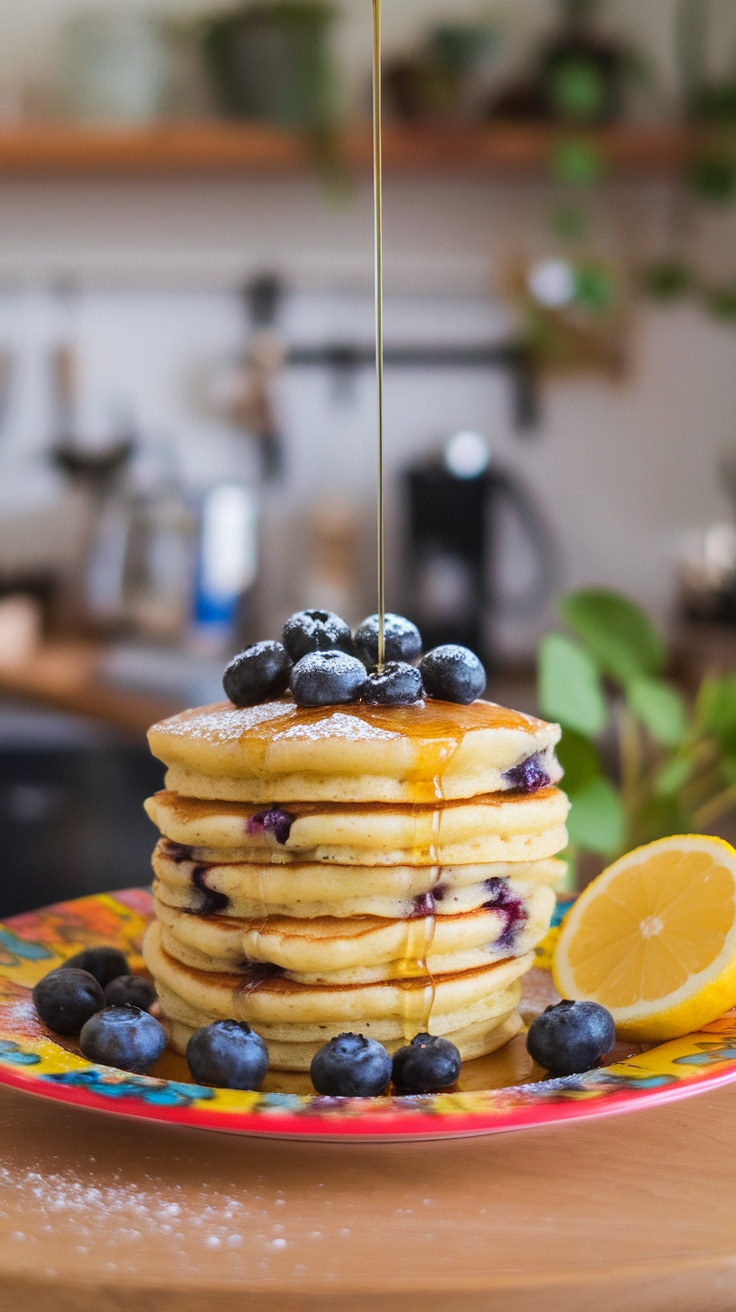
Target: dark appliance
454,585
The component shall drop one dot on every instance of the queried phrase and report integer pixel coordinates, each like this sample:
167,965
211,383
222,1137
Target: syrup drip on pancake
417,985
378,245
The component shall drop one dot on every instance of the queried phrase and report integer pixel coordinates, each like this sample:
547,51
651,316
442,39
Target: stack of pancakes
385,870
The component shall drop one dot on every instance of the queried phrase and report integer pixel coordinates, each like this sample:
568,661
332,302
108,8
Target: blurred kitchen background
187,448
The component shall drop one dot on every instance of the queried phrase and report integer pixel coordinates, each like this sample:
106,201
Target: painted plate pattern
33,1059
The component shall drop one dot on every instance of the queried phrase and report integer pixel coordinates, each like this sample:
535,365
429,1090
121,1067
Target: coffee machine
455,504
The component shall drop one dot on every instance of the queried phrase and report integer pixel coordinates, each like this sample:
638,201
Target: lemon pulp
653,939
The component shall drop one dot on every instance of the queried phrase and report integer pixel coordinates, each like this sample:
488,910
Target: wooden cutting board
635,1212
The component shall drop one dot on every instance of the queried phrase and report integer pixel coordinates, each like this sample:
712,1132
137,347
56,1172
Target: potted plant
640,761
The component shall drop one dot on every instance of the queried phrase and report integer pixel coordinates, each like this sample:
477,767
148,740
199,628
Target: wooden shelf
223,148
67,676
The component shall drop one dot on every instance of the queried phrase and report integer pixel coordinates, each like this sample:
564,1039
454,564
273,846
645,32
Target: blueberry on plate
397,684
428,1064
402,640
130,991
104,963
66,998
351,1066
453,674
228,1055
258,674
316,630
124,1037
327,678
571,1037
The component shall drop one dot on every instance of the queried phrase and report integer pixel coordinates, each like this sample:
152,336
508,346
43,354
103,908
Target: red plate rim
637,1082
404,1123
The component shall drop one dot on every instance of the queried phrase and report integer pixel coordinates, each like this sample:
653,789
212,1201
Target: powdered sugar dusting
336,724
106,1226
223,723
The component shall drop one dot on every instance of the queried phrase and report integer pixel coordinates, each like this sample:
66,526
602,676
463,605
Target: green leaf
577,163
715,710
728,767
713,177
661,708
717,103
570,222
579,759
673,775
667,280
619,635
721,301
577,88
595,288
661,817
569,686
569,881
596,821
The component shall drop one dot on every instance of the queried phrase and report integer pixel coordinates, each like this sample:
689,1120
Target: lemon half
653,938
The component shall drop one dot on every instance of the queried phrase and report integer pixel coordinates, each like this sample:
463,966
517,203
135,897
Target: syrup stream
378,240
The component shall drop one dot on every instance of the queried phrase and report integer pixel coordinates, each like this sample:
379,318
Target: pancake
490,1012
360,949
255,891
425,752
385,870
263,995
491,827
472,1041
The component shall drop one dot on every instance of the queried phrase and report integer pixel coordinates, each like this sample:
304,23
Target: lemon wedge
653,938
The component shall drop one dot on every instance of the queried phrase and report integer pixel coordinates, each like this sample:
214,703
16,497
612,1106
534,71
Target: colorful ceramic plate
498,1093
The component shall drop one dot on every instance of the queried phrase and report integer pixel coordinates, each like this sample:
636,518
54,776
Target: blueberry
510,907
453,674
125,1037
104,963
130,991
327,678
396,685
228,1055
427,1065
316,630
351,1066
529,775
66,998
402,640
571,1037
258,674
210,901
423,905
274,820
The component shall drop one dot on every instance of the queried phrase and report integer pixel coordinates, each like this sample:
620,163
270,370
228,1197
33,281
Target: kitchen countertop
69,677
635,1212
88,679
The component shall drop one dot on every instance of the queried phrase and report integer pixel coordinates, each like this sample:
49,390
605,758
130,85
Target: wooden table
637,1212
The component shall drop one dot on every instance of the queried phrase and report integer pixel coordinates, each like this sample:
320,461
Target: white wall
621,470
